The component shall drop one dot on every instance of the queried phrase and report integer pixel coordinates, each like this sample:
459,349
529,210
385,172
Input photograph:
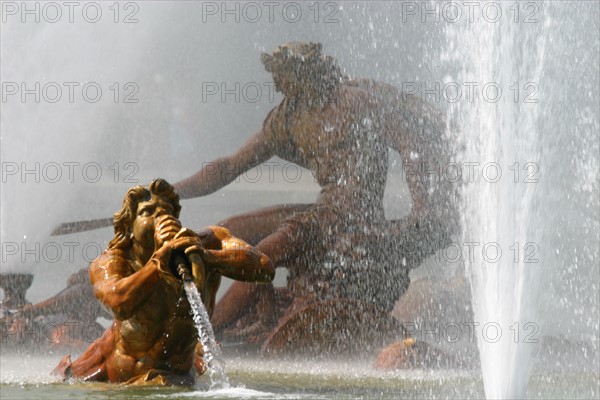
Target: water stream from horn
212,353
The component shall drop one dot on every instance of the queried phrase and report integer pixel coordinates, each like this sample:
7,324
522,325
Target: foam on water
238,392
21,369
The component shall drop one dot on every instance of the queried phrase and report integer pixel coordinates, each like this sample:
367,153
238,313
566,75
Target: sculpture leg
393,249
241,298
418,239
254,226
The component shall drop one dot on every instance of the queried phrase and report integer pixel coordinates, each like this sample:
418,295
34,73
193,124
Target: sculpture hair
123,220
314,71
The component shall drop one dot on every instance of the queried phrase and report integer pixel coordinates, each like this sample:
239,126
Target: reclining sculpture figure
342,246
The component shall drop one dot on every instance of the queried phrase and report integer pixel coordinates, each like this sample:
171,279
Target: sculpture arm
244,264
406,131
235,258
222,171
209,292
118,289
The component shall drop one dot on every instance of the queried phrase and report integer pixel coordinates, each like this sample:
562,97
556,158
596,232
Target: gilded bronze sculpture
153,338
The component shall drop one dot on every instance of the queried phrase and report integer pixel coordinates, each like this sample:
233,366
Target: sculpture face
143,224
285,63
285,81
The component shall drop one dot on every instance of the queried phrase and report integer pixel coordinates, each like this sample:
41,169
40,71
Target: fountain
186,81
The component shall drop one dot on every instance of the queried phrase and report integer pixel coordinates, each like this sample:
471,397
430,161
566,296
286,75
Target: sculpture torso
160,334
340,143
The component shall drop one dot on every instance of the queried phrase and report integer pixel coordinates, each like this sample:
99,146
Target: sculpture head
300,68
15,286
140,206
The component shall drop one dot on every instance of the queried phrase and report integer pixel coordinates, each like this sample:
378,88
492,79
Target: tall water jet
514,181
502,135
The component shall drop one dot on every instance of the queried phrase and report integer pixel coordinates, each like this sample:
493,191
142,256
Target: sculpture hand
166,227
187,244
199,363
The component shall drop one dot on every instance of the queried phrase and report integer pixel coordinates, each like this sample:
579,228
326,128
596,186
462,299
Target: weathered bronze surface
15,287
341,247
